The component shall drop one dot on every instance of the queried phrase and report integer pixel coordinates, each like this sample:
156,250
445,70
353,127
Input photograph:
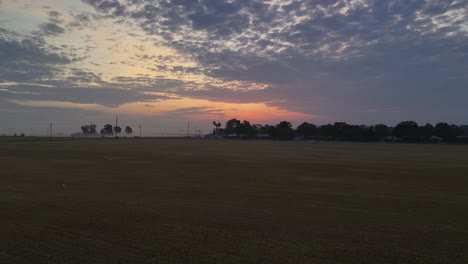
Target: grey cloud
369,51
54,13
30,59
193,89
111,6
83,76
150,84
194,111
335,58
51,29
54,17
82,20
185,70
146,57
106,96
30,50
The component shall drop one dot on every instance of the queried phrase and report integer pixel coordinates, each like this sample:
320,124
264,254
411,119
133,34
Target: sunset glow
264,61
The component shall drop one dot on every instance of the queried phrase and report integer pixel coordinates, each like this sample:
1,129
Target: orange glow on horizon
191,109
198,109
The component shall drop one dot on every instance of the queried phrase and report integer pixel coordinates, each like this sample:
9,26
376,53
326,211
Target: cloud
109,6
83,20
196,111
54,14
30,58
334,58
51,29
65,91
323,56
31,69
83,76
226,37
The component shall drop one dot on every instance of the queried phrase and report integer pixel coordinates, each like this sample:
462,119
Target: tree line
107,130
407,131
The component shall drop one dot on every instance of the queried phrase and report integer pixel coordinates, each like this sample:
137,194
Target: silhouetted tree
217,126
381,131
246,129
367,133
306,130
327,132
128,130
88,129
345,132
407,131
458,131
427,131
442,130
107,130
85,129
268,129
232,126
284,130
447,132
284,124
258,128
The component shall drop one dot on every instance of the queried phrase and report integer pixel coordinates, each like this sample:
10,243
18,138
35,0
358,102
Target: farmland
232,201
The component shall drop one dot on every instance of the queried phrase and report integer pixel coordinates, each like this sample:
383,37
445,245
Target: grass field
202,201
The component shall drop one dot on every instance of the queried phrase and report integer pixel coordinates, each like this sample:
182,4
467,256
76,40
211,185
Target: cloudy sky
162,63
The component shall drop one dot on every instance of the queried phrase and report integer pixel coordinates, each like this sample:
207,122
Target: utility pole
116,123
139,126
50,131
188,128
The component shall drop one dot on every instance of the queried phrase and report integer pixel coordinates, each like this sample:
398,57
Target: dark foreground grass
197,201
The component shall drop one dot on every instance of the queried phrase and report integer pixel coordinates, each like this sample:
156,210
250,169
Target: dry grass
201,201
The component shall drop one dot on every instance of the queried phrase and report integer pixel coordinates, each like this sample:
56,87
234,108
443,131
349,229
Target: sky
165,63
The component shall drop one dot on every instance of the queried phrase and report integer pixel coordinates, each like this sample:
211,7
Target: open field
221,201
